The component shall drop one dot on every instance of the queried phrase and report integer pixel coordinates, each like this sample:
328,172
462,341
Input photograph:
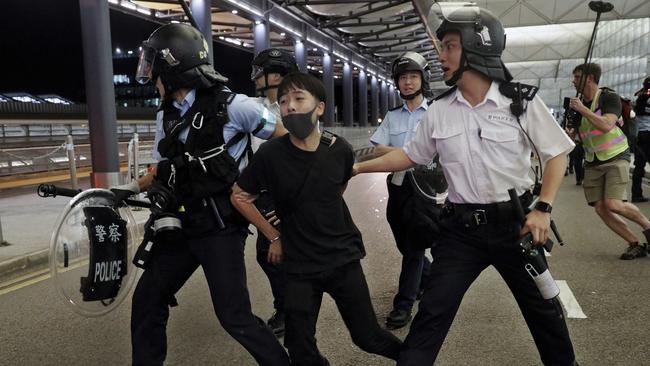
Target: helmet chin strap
261,91
410,96
458,73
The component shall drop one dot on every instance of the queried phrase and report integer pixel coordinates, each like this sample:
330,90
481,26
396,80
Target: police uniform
398,127
219,252
273,272
642,149
483,153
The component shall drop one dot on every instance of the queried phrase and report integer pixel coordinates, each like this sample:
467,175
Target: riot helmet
482,36
272,60
178,54
411,61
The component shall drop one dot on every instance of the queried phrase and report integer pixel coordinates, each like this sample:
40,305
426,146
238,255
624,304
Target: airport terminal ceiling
545,38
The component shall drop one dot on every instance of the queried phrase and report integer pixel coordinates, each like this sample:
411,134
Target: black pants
273,272
641,154
347,286
460,256
576,162
415,265
222,258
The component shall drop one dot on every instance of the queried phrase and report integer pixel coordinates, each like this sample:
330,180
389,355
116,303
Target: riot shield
91,252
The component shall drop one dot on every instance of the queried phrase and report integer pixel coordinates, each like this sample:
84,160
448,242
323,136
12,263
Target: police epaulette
446,93
327,138
396,108
509,90
225,96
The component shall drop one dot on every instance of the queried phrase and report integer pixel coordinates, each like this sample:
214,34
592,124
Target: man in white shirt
484,150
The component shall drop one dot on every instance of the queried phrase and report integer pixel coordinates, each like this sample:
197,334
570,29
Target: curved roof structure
545,38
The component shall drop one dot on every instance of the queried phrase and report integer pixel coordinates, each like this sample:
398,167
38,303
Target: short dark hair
300,80
592,69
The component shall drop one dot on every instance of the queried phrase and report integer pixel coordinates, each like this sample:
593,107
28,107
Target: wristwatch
543,206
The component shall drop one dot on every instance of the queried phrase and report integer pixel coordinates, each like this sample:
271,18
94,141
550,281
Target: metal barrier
27,160
358,137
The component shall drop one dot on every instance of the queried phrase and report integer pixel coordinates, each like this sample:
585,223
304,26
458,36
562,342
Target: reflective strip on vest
603,145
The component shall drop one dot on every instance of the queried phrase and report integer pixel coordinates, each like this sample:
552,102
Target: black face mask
299,125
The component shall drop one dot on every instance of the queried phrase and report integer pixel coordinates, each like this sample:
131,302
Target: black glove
125,191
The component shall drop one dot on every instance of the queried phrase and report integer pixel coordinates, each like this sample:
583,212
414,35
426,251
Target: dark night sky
41,52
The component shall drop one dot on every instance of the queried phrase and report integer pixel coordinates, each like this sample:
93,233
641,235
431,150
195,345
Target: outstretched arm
393,161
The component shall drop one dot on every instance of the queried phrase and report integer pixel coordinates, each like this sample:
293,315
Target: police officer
484,150
268,69
201,136
410,71
642,151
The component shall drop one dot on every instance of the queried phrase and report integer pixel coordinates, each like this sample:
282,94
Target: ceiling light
128,5
234,11
281,25
143,11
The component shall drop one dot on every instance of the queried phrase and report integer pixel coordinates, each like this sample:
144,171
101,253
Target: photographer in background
607,158
642,151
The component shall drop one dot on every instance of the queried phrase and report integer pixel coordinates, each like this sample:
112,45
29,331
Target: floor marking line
24,284
570,303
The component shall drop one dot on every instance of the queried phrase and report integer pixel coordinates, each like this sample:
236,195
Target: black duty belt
473,215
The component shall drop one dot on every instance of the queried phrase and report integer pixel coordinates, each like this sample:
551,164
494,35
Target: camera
571,117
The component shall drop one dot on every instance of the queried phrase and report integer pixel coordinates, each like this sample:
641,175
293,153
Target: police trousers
415,265
347,286
461,254
274,272
222,257
641,158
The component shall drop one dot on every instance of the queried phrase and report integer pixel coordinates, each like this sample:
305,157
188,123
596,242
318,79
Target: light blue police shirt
399,125
244,115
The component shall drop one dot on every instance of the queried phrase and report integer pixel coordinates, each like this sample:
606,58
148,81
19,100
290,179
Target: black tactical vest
642,105
201,167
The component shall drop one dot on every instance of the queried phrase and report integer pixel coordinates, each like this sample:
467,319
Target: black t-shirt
318,233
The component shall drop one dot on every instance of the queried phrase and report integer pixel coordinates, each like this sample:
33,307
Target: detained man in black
320,247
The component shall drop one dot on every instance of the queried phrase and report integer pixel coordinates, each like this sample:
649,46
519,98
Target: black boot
398,318
276,323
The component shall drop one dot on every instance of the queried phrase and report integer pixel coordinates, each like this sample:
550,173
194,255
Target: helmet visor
144,73
453,12
256,72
